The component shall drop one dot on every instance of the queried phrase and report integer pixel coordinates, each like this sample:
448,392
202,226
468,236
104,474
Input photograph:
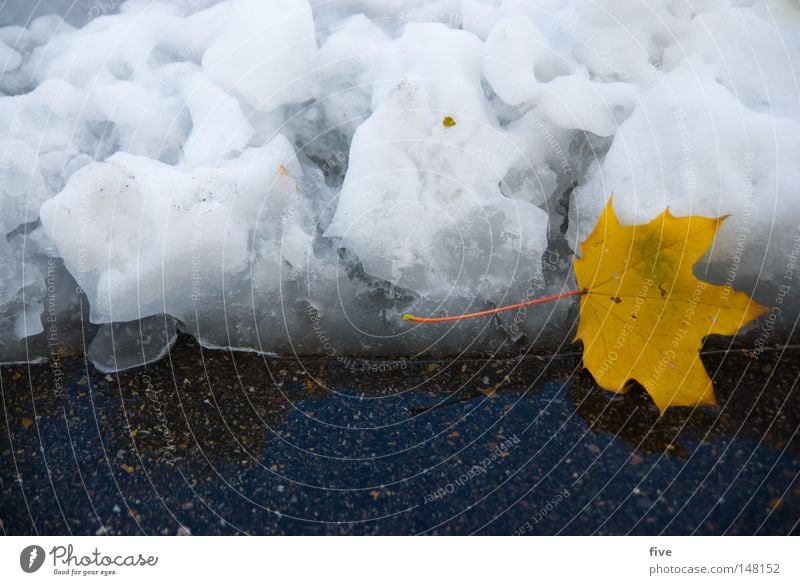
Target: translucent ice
421,204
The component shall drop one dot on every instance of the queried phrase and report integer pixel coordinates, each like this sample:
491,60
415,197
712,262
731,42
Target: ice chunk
350,61
191,36
9,58
512,50
617,13
120,346
264,52
421,204
29,321
574,102
148,122
762,78
109,48
615,51
22,186
21,293
391,15
170,236
218,125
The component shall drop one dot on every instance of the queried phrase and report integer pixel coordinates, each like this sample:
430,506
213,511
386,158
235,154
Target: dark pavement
210,442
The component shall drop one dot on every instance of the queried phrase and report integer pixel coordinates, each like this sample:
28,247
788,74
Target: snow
293,177
9,58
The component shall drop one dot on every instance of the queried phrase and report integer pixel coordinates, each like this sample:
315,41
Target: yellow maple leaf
643,313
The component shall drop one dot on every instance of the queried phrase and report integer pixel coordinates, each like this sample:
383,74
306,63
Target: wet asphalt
214,442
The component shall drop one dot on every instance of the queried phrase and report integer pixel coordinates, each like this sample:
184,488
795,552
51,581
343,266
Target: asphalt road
210,442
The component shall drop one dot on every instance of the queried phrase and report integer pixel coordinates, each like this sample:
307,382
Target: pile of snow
293,177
